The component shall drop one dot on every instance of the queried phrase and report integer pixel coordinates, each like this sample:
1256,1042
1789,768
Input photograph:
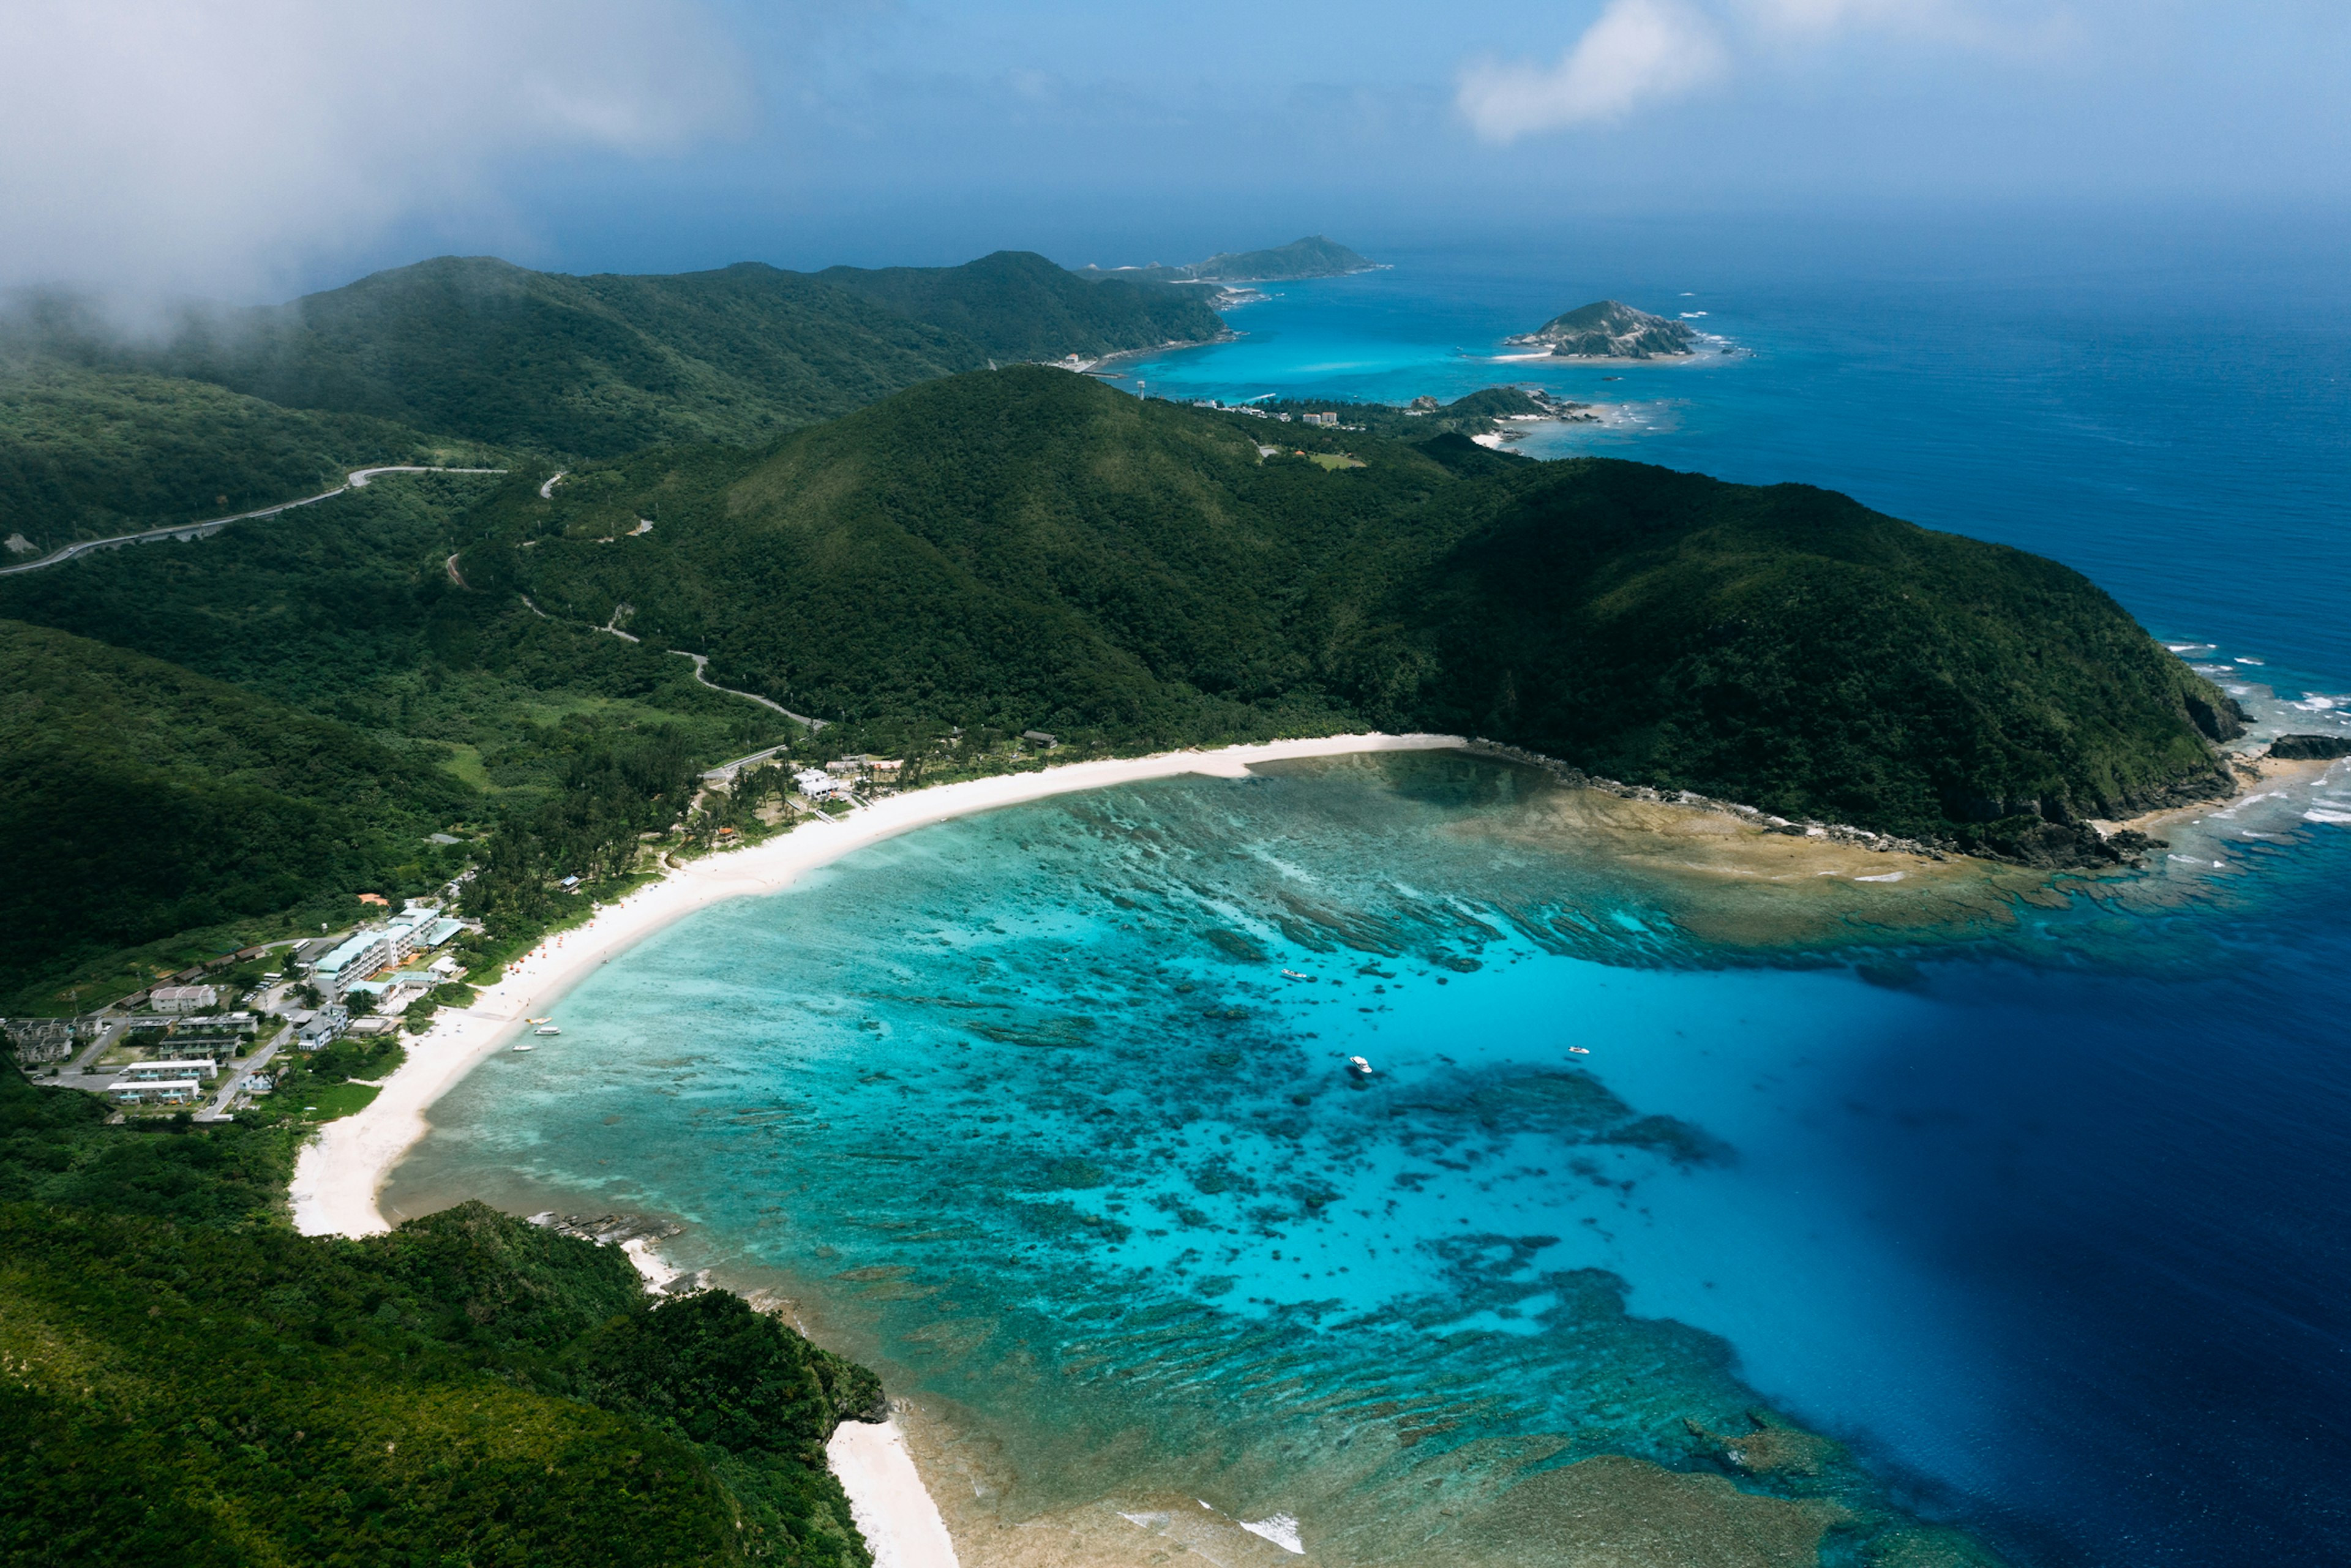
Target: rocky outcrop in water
2310,748
1609,329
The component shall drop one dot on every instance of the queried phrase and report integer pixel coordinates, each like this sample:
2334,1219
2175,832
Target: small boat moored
1359,1067
525,1045
547,1029
1579,1050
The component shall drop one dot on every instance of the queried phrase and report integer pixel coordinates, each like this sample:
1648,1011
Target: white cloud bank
148,146
1637,53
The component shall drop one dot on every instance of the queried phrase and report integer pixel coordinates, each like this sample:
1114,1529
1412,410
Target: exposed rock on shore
2310,748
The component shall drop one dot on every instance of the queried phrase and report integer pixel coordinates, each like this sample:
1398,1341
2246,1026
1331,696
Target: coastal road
357,479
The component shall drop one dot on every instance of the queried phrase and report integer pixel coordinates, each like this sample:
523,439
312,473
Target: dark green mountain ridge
597,366
1028,548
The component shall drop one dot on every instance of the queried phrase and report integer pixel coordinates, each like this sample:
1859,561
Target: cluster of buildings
1328,419
381,961
39,1040
180,1081
178,1037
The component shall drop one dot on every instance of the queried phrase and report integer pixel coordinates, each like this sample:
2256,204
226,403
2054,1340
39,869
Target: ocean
2034,1215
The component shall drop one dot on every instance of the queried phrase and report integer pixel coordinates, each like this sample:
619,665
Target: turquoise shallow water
1025,1108
2045,1218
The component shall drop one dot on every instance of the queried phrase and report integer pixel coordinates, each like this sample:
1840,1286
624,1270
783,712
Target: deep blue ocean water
2044,1218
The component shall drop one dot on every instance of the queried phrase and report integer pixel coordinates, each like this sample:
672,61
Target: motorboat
547,1029
1294,975
1579,1050
525,1045
1359,1067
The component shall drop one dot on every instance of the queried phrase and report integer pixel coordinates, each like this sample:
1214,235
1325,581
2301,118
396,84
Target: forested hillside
137,799
1016,304
85,454
275,717
187,1382
1028,548
600,365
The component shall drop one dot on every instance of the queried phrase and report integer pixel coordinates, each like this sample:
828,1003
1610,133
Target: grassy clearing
328,1102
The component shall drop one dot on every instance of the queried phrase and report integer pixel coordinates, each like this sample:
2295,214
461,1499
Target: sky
250,149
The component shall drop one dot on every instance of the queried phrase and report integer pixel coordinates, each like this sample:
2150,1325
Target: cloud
152,146
1638,51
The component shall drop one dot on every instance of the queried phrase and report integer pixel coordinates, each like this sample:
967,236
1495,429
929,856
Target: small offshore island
681,565
1609,329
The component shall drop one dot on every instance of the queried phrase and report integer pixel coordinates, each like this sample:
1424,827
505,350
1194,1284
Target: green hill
337,634
600,365
138,800
1030,548
85,454
1016,304
190,1383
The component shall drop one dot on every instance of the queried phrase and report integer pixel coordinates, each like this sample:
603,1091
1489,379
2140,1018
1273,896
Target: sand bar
341,1172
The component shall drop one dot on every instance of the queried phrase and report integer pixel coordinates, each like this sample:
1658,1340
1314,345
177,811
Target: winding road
357,479
701,661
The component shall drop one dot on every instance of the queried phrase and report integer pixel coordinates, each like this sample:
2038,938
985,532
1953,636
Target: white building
195,1067
172,1092
372,950
182,998
818,785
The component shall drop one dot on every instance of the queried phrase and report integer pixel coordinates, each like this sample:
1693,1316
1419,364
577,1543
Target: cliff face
1609,329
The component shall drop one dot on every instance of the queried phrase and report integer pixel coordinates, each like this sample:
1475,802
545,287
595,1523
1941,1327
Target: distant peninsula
1609,329
1313,257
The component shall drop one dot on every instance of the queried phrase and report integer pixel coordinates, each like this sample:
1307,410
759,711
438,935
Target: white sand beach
341,1173
342,1170
893,1509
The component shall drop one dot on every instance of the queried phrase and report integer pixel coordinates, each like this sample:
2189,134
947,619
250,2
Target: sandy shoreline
342,1170
341,1173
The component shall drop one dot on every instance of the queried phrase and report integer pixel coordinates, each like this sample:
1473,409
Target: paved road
93,1051
234,1079
357,479
701,661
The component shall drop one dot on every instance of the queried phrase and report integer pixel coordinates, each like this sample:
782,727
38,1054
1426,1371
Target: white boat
1359,1067
1294,975
1579,1050
525,1045
547,1029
